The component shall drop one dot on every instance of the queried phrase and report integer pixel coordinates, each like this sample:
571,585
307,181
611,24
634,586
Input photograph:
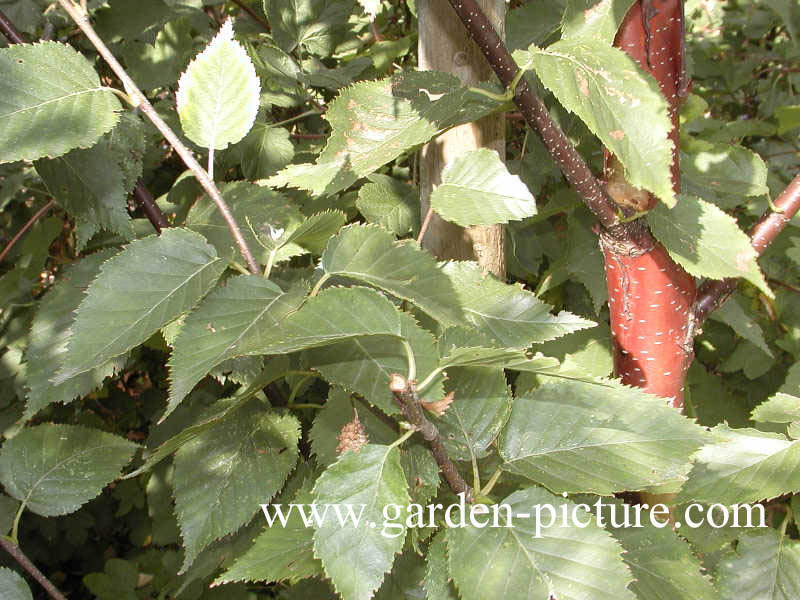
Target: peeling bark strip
406,395
652,34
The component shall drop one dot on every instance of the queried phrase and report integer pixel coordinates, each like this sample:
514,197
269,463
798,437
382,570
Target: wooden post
445,46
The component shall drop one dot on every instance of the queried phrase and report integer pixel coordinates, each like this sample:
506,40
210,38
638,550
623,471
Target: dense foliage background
217,391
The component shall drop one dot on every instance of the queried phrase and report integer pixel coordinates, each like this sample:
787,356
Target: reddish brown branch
571,163
406,395
15,551
25,228
252,14
712,294
149,207
10,31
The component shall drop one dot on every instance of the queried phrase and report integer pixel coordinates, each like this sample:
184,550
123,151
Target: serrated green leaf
309,236
481,406
356,558
780,408
370,254
51,101
788,118
662,563
616,100
223,474
374,122
54,469
281,552
603,437
230,322
732,314
151,282
160,63
8,510
89,185
706,241
364,365
50,334
531,560
14,586
265,150
337,411
218,94
318,25
477,189
127,144
720,170
390,203
258,210
764,566
507,313
438,584
743,465
593,20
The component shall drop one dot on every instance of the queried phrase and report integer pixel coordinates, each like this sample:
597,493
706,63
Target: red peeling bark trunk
650,296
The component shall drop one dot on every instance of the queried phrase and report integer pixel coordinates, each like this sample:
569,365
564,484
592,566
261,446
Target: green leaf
780,408
89,185
371,7
223,474
481,406
662,563
364,365
338,410
506,313
230,322
370,254
743,465
616,100
438,585
51,101
8,510
764,566
706,241
390,203
461,347
532,24
722,170
281,552
374,122
531,560
54,469
318,25
160,63
593,20
14,586
732,314
309,236
151,282
477,189
603,437
258,210
265,150
218,94
50,334
356,558
788,118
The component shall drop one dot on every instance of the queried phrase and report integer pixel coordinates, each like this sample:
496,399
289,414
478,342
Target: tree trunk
651,298
445,46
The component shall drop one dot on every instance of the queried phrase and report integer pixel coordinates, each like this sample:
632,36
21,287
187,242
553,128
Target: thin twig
25,228
12,33
713,293
82,20
425,222
15,551
151,210
375,33
253,15
406,395
568,159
